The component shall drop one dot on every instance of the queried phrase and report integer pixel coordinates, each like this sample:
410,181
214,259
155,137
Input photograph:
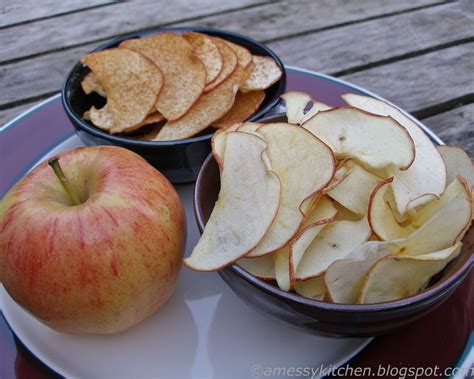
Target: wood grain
287,18
418,83
101,23
14,11
455,127
352,46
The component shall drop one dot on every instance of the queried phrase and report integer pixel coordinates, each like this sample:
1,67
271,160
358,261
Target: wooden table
419,54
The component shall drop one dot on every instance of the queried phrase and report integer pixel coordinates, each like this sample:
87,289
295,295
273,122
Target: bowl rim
438,289
78,67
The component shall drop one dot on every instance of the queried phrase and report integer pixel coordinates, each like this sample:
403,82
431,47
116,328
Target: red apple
100,266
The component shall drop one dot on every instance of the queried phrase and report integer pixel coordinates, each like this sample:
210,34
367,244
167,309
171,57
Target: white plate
204,331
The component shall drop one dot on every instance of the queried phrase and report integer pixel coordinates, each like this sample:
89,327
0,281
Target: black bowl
181,160
318,317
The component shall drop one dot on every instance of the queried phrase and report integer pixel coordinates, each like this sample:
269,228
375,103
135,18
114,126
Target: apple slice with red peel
383,222
396,277
295,103
318,217
334,242
260,267
374,141
441,231
381,219
299,157
281,258
218,144
457,163
317,107
426,177
312,288
354,190
245,209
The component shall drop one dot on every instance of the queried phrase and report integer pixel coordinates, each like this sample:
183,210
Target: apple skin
104,265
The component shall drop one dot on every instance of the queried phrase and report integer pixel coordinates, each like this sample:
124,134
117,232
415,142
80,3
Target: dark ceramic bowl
317,317
181,160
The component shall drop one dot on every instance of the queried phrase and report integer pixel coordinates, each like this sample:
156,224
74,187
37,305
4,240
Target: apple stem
54,163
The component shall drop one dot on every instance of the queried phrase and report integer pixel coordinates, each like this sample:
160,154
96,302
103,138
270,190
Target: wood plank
14,11
100,23
287,18
335,50
419,83
455,127
328,51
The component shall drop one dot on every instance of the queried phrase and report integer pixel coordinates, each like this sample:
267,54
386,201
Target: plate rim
54,367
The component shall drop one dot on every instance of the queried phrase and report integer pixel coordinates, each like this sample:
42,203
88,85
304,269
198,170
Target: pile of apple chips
348,205
172,86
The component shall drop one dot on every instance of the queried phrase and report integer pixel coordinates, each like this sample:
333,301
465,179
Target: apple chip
210,107
132,84
207,52
260,267
295,103
321,215
312,288
218,144
353,191
426,177
245,105
396,277
381,218
282,262
457,163
296,157
90,84
184,73
317,107
334,242
383,222
244,56
229,64
375,141
247,204
265,72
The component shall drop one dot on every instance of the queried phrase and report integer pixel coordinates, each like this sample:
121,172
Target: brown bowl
318,317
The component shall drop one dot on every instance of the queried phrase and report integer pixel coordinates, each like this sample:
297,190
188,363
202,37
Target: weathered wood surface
417,53
14,11
455,127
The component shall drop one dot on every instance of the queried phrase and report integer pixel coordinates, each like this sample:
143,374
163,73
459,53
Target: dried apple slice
354,190
381,218
229,64
440,232
265,72
297,157
375,141
90,84
184,73
244,56
317,107
218,144
383,222
247,204
457,163
426,177
295,103
207,52
245,105
397,277
334,242
281,259
132,84
210,107
312,288
321,215
260,267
